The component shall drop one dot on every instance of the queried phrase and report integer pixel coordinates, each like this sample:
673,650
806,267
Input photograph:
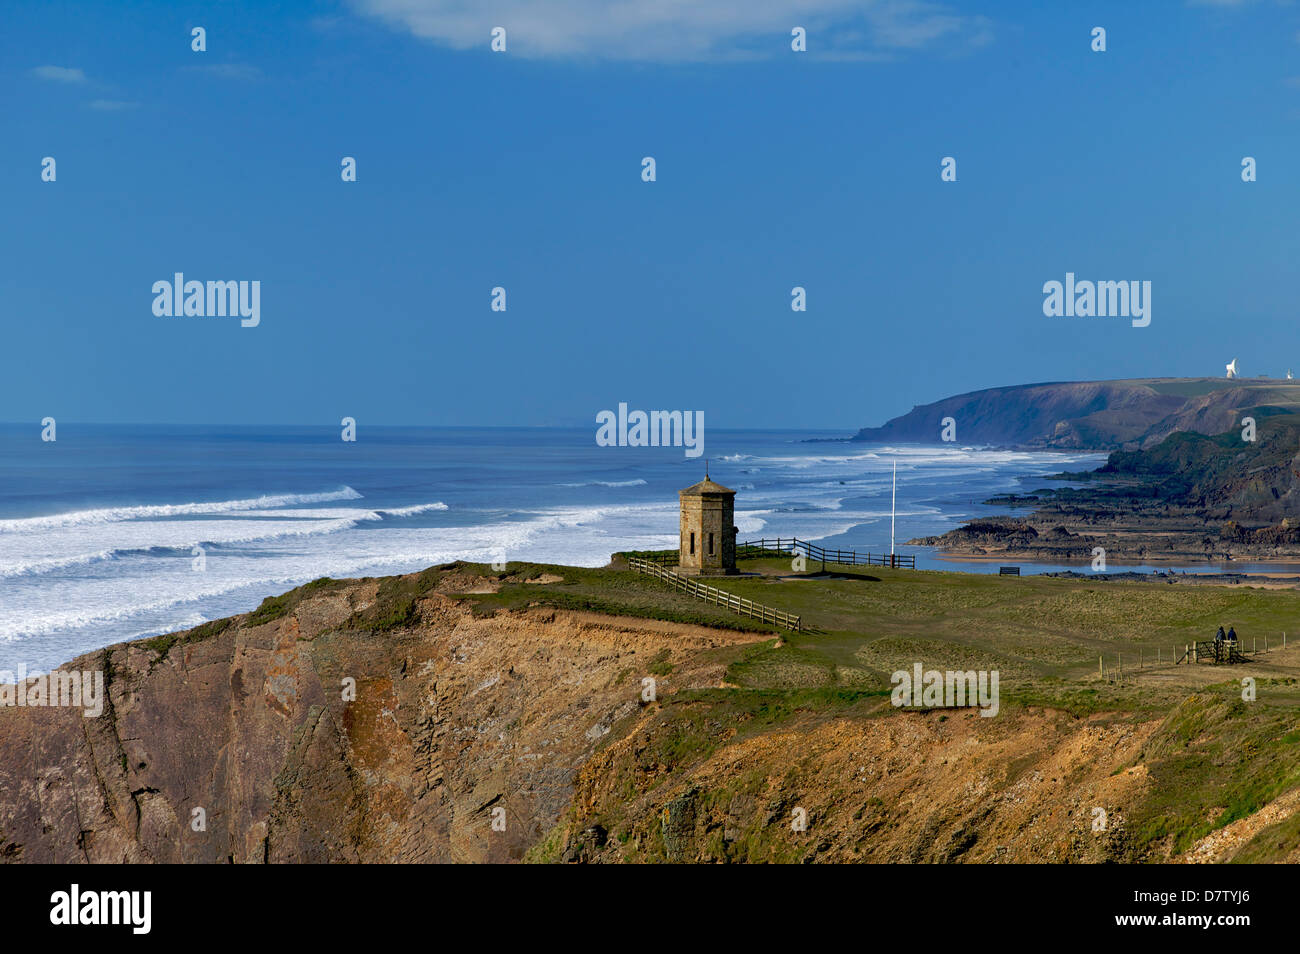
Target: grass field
865,623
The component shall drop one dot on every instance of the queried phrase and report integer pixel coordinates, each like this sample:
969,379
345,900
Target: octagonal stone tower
708,537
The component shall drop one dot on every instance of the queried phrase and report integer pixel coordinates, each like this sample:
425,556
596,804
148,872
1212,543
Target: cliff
1223,476
1091,415
454,715
489,726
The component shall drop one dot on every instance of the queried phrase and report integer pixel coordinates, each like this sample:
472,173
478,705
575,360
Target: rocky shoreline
1190,498
1182,578
1131,526
1056,533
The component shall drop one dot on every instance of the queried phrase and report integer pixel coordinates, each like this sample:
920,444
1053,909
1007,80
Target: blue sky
522,169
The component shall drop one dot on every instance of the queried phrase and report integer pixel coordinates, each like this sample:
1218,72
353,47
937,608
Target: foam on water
115,514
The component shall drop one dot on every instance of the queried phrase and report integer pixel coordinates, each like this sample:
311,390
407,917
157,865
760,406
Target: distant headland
1127,414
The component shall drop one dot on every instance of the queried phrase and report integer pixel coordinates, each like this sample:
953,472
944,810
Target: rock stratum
1091,415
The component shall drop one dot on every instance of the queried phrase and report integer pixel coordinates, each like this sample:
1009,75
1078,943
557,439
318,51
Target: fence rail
658,557
1218,651
822,555
711,594
1201,651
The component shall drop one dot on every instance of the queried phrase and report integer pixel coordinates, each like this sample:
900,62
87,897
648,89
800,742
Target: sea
112,533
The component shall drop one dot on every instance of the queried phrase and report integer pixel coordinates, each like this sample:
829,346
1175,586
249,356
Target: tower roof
707,486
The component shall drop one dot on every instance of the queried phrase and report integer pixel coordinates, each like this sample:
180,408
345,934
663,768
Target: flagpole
893,503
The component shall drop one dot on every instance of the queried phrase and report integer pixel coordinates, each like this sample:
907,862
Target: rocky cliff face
907,788
1090,415
1226,476
525,735
456,721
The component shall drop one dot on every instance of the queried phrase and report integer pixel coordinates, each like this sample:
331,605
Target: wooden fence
819,554
711,594
657,557
1201,651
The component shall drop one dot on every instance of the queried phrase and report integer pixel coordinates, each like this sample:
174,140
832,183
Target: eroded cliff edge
454,715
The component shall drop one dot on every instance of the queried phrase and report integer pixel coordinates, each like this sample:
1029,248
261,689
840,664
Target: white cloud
668,30
60,74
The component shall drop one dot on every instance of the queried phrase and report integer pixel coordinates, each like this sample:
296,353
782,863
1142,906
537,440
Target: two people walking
1231,637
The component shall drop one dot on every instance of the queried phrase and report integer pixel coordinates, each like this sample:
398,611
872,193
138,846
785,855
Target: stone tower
708,540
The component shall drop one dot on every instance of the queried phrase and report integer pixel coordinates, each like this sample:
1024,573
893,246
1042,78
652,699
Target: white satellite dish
1289,375
1232,368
